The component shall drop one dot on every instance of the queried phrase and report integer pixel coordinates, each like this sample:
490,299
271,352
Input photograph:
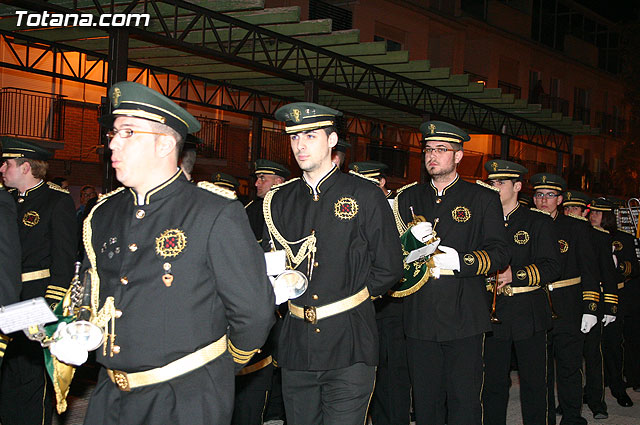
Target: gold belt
510,291
38,274
446,272
256,366
620,285
127,381
564,283
312,314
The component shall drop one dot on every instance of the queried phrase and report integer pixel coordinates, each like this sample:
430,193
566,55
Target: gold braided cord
400,225
308,247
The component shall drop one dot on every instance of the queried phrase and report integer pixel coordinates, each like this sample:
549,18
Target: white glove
588,321
281,292
422,231
615,260
449,259
66,349
608,319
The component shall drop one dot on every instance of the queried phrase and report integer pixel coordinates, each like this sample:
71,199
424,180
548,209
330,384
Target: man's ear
333,139
517,186
457,156
382,183
166,145
25,168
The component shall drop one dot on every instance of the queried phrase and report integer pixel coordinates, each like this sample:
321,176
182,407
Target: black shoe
624,400
600,414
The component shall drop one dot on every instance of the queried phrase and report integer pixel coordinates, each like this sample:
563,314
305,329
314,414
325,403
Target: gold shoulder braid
371,179
540,211
306,251
578,217
488,186
400,225
225,193
276,186
56,187
108,311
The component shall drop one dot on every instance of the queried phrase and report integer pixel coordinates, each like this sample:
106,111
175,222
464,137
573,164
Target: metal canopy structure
244,58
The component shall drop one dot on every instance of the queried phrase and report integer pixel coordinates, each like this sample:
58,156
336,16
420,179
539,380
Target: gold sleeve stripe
53,296
529,276
480,261
3,344
627,268
591,293
56,291
59,288
486,261
240,356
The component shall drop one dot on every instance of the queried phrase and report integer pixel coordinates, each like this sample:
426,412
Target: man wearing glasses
445,320
575,298
181,279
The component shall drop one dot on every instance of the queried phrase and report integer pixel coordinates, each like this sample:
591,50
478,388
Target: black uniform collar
162,191
444,191
508,216
32,190
325,183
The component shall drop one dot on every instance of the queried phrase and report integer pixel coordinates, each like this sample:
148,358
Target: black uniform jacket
256,218
535,261
357,246
219,283
628,270
9,251
578,259
47,226
471,222
608,277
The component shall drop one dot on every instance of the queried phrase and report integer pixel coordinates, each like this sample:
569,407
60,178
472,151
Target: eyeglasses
549,195
439,151
125,133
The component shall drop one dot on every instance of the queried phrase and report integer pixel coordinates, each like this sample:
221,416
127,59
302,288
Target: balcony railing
582,114
213,134
508,88
32,114
556,104
275,146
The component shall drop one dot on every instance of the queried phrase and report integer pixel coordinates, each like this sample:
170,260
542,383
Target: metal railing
213,134
397,159
582,114
556,104
275,146
32,114
508,88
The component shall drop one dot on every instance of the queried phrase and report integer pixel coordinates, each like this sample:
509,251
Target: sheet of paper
276,262
18,316
421,252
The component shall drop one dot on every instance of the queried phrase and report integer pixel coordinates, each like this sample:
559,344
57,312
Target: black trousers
329,397
26,392
612,352
451,372
594,369
564,358
251,395
392,397
531,354
631,333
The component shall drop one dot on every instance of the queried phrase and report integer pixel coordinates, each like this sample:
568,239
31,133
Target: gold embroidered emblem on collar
461,214
356,168
170,243
296,114
30,218
564,246
617,245
346,208
521,274
521,237
115,97
469,259
494,166
432,128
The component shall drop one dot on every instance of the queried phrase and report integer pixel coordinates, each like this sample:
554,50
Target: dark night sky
614,10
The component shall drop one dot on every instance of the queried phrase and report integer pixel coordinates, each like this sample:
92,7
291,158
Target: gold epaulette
488,186
250,202
56,187
627,232
398,191
221,191
371,179
540,211
102,198
579,217
276,186
600,229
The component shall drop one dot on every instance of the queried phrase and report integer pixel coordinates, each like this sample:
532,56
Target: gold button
116,349
315,296
118,314
438,200
317,330
124,280
140,214
20,200
315,264
133,247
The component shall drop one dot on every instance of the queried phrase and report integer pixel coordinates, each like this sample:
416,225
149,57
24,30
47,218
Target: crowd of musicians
418,304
